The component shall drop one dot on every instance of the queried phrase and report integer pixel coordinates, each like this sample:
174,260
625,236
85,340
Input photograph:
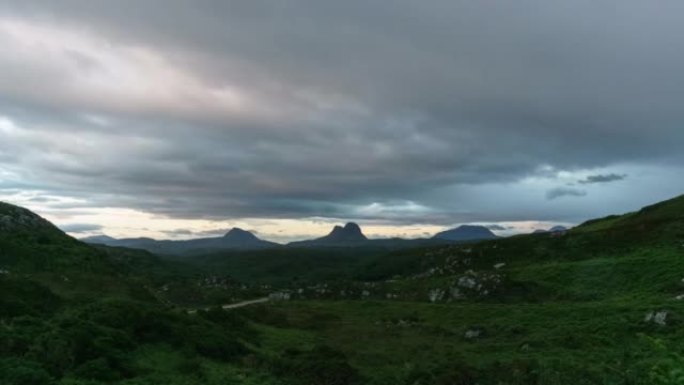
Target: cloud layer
603,178
358,109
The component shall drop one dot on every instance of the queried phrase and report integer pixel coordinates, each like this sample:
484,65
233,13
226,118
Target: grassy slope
571,311
582,323
73,314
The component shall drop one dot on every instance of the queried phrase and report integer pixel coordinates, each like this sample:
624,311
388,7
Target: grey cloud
358,102
498,227
179,232
212,233
603,178
560,192
78,228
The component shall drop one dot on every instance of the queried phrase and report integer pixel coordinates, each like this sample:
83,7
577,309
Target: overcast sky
176,119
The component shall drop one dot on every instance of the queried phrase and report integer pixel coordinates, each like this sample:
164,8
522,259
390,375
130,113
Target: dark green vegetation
598,304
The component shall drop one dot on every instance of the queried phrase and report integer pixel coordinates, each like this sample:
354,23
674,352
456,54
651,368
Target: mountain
349,235
239,236
351,232
235,239
465,233
15,220
99,240
554,229
30,243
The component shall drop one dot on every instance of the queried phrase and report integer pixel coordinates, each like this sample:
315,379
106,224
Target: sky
179,119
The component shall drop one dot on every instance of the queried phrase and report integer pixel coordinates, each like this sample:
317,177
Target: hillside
602,303
73,314
661,216
30,243
599,304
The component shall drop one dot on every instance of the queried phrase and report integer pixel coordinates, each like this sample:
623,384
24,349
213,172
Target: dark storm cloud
308,108
603,178
560,192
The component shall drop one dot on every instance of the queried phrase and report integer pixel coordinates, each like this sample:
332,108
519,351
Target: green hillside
30,243
600,304
73,314
597,305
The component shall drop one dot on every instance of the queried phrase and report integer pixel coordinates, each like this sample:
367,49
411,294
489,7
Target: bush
98,369
16,371
215,344
319,366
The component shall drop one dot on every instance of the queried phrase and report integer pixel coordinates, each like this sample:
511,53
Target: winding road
237,304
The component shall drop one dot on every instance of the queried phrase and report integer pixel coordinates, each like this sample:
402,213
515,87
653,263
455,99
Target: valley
598,304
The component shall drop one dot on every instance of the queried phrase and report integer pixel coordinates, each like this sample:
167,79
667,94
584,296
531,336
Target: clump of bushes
322,365
95,342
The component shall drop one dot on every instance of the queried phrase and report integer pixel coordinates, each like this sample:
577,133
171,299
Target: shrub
320,366
16,371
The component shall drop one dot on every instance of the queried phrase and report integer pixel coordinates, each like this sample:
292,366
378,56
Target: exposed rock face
280,296
472,334
657,317
436,295
467,282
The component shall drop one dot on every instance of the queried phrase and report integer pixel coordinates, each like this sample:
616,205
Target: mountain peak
350,233
237,232
351,226
350,229
466,233
558,229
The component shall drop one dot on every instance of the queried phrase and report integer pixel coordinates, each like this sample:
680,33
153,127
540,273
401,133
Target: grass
570,339
568,309
582,323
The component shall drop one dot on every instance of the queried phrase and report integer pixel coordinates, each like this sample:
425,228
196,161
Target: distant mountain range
235,239
350,235
555,229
